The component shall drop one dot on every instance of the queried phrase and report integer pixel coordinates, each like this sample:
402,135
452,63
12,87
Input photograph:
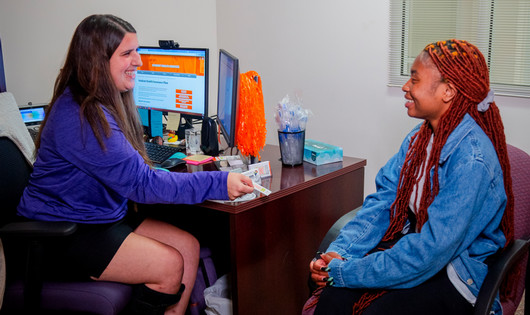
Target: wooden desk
267,243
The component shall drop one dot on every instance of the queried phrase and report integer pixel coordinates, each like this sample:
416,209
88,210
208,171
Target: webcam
167,44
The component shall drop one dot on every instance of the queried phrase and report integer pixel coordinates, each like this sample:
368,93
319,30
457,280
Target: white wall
35,35
334,53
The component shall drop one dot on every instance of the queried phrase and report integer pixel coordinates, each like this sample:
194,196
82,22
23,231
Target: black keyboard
159,153
33,133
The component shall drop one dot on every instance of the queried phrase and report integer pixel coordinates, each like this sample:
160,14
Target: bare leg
186,244
159,255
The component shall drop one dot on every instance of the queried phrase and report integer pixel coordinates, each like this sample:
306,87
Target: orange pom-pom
251,124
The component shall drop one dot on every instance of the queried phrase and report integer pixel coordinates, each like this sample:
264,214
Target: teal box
319,153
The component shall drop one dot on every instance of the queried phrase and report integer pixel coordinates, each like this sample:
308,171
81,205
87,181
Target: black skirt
89,250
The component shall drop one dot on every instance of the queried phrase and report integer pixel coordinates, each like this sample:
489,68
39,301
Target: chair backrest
520,169
14,175
520,166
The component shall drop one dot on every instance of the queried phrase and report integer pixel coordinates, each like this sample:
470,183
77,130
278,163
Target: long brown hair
86,72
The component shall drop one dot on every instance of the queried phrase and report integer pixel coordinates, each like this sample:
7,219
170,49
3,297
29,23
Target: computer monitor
173,80
33,115
3,87
228,95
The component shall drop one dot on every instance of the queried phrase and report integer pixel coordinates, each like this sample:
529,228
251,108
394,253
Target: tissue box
318,153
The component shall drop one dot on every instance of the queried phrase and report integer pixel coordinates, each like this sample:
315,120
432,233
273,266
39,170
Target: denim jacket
462,229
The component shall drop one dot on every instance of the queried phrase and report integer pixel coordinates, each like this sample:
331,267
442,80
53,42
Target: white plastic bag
217,297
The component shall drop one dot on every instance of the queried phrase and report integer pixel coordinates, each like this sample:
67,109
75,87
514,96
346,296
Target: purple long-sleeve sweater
74,179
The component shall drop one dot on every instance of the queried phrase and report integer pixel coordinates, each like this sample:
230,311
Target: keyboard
159,153
33,132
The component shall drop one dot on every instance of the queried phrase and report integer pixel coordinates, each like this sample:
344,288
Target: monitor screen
33,115
2,74
173,80
228,95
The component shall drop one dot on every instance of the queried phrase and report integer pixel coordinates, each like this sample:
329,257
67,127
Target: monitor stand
187,124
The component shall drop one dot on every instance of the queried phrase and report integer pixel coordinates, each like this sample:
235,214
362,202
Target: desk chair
31,294
34,295
515,256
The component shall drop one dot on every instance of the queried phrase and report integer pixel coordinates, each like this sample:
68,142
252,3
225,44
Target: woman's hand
319,268
238,185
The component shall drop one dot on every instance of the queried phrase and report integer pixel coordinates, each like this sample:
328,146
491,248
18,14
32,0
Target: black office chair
515,256
31,293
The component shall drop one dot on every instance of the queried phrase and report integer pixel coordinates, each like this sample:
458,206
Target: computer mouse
173,162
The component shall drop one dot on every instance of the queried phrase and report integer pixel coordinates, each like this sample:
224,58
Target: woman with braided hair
443,204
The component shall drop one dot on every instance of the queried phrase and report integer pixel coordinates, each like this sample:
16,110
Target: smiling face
124,62
429,97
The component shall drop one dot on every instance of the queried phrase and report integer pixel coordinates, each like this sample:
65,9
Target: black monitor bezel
230,136
184,114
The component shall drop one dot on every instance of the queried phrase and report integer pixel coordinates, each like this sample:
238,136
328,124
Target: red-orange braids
463,65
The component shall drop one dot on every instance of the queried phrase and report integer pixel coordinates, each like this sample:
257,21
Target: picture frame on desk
264,168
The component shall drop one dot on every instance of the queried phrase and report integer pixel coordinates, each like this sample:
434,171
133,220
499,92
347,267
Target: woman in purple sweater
91,160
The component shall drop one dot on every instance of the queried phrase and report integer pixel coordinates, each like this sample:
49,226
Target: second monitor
228,96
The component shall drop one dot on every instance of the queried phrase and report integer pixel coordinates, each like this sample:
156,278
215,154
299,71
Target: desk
267,243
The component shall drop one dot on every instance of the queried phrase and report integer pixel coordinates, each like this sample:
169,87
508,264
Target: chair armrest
496,273
333,232
35,232
37,229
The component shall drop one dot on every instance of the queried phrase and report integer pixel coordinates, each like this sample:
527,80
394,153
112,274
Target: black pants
435,296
